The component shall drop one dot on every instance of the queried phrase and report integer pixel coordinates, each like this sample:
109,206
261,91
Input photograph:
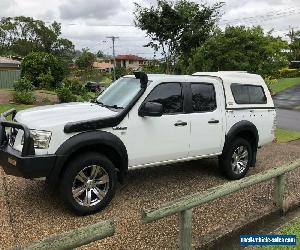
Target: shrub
288,73
23,85
75,86
269,81
24,92
64,94
24,97
72,90
46,80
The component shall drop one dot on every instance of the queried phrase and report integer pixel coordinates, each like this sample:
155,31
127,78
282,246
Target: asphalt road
288,119
288,99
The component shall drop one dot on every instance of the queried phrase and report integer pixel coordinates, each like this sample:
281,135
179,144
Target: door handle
180,123
213,121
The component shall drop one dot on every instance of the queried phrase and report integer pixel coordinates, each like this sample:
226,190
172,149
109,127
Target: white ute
140,120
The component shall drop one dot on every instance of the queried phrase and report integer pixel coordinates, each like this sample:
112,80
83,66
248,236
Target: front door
160,139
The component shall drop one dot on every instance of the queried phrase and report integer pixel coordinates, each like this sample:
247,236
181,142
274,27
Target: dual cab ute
140,120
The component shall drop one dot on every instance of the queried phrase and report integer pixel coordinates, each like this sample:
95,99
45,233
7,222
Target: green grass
283,84
5,107
283,135
289,228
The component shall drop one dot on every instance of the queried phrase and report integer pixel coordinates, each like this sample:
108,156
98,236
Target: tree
23,35
240,48
43,68
176,28
294,44
100,54
85,60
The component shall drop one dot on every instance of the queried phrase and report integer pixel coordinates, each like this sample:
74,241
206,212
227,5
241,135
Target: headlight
41,138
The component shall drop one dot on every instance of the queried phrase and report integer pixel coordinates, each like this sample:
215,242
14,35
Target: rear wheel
236,159
88,183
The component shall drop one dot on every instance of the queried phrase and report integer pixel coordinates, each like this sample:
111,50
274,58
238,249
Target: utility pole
113,38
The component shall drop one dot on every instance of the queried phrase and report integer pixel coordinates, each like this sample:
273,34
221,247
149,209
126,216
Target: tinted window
169,95
203,96
257,95
248,94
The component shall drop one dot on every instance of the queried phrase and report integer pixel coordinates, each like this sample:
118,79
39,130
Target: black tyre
236,159
88,183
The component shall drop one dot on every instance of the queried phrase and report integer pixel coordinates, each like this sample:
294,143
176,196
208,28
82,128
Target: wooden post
185,230
279,192
75,238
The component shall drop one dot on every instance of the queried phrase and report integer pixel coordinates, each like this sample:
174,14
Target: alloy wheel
239,159
90,185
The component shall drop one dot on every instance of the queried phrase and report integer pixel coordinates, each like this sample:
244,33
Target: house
9,64
9,72
130,61
103,65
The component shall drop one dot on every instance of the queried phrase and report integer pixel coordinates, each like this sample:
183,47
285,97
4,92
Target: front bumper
25,164
34,166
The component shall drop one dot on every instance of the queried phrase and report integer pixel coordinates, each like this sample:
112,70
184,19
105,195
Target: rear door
207,136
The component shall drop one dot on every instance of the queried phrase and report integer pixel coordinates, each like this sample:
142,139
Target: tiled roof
102,65
129,57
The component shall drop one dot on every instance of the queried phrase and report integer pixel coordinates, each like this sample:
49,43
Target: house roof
102,65
8,62
129,57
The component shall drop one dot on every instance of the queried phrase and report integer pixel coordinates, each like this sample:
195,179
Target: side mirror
151,109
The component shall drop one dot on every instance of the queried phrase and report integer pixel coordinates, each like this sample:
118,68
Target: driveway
288,119
28,212
288,98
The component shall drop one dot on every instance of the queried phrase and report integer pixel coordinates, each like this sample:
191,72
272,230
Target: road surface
288,119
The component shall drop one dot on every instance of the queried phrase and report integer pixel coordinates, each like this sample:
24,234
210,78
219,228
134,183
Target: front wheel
88,183
236,159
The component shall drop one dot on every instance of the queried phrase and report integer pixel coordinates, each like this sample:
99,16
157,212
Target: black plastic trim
28,146
250,108
88,139
13,163
243,126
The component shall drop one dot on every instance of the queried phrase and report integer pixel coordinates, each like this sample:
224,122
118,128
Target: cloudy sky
88,22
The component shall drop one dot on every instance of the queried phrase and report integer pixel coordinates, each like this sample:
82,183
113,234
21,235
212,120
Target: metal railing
185,205
74,238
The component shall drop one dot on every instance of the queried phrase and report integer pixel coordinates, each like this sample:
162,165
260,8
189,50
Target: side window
169,95
257,95
203,97
248,94
240,93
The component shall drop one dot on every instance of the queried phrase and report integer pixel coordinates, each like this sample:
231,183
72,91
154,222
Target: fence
8,78
184,205
75,238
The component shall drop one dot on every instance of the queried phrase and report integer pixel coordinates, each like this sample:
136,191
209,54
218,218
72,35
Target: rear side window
204,97
169,95
248,94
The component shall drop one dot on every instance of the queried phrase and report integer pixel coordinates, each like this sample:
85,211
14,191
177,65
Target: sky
88,23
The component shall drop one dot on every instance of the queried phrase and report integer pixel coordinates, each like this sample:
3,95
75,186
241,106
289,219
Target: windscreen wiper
114,106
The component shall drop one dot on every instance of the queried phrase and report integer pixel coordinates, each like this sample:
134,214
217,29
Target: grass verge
283,135
289,228
283,84
5,107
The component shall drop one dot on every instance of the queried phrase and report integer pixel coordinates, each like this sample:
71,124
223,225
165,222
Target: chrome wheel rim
90,186
239,159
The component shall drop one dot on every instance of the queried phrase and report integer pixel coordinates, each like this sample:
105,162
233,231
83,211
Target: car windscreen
120,93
